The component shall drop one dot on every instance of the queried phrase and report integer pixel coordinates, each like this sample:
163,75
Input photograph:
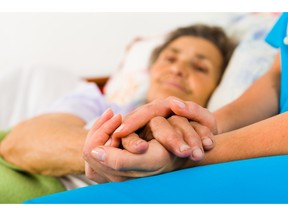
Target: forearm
259,102
49,144
265,138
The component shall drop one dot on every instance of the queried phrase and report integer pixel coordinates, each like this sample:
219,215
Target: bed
233,182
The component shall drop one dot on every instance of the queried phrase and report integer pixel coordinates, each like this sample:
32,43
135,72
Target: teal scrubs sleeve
276,38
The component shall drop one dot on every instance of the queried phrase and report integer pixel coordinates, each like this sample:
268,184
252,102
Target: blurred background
89,44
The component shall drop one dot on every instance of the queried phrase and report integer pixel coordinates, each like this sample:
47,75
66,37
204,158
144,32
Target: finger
194,112
102,135
205,135
134,165
169,137
141,116
190,136
134,144
106,129
164,108
108,114
92,175
102,173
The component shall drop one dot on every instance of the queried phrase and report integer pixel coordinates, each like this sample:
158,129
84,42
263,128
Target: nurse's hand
184,135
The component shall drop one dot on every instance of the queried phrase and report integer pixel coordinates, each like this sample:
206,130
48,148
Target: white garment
28,90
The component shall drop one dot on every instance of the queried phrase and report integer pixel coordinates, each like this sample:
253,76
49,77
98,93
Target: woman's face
188,68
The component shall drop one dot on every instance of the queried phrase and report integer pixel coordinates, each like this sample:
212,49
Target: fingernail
180,104
138,142
99,154
184,147
108,143
119,128
197,153
207,142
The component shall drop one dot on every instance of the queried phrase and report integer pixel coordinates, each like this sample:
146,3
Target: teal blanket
17,186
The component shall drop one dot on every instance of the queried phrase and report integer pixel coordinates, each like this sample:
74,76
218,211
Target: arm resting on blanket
49,144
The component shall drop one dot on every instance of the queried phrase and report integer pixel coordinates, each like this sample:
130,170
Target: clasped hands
158,137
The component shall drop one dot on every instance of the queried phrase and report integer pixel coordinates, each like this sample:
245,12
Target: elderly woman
189,65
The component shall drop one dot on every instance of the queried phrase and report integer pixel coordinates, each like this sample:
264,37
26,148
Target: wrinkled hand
177,134
105,163
145,152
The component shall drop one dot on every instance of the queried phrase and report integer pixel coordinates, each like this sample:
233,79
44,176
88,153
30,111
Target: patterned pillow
251,59
128,86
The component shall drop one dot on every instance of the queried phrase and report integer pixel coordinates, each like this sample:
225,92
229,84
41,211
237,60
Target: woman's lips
176,85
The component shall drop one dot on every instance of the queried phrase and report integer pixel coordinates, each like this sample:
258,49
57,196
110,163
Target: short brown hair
214,34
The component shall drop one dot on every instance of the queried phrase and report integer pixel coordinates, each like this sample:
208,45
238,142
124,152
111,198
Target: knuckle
179,119
205,131
174,118
127,141
151,107
195,141
156,101
201,129
170,98
195,107
85,154
130,140
174,139
118,164
156,121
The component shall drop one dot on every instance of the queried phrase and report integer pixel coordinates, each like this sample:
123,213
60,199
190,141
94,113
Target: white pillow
251,59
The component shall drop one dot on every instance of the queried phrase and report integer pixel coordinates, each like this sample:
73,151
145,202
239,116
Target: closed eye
170,59
199,68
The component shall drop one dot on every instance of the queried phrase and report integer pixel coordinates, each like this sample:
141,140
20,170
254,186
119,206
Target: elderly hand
176,134
146,155
105,163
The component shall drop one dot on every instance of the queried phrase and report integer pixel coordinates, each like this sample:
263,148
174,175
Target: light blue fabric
276,39
257,181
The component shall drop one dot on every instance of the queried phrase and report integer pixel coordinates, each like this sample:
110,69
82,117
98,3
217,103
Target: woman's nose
178,69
